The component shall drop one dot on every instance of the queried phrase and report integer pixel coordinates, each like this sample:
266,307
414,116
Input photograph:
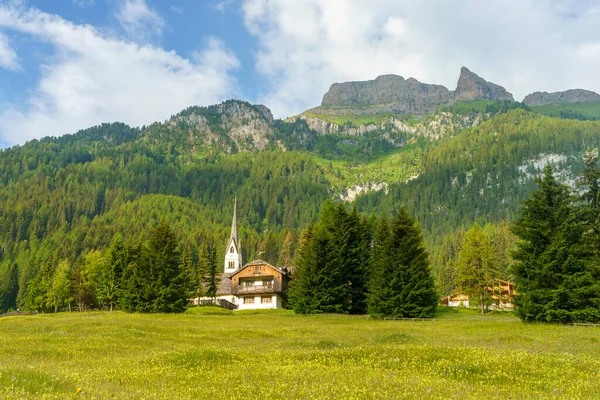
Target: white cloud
93,79
8,56
83,3
139,21
525,45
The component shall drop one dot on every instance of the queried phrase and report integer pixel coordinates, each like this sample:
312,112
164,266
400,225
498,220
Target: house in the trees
501,292
256,285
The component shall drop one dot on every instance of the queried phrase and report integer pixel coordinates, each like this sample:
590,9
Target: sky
66,65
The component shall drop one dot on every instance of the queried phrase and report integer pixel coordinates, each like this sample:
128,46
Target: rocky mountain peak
566,97
472,87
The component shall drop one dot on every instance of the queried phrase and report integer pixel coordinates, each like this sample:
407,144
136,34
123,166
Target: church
255,285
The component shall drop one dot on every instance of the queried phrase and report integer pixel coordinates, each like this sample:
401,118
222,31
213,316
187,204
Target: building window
268,283
231,264
248,283
256,270
231,249
248,300
266,299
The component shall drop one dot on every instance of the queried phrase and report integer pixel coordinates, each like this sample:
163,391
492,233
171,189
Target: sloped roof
225,286
256,263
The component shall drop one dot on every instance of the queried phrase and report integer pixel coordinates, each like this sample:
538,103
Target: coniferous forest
84,217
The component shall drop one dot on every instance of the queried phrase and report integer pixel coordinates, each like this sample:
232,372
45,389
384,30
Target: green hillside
62,197
582,111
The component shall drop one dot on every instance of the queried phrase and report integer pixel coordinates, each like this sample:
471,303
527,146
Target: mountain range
451,158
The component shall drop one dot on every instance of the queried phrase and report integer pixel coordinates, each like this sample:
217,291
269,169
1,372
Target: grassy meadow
213,353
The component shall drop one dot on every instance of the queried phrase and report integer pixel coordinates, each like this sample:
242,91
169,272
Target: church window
231,264
266,299
231,249
248,300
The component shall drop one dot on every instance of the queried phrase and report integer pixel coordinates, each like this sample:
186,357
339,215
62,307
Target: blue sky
69,64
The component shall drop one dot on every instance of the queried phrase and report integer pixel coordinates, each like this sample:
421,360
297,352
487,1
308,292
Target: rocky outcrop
566,97
472,87
394,94
231,125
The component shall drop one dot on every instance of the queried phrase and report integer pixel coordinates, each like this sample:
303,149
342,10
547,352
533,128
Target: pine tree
301,293
191,276
9,287
403,285
477,268
36,297
381,258
555,272
589,181
155,282
203,267
110,277
212,284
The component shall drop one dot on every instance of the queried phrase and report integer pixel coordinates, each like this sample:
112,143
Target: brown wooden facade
259,277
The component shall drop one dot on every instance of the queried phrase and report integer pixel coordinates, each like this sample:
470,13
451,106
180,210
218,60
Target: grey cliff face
566,97
393,93
471,87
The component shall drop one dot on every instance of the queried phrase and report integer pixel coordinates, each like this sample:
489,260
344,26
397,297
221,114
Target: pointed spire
234,231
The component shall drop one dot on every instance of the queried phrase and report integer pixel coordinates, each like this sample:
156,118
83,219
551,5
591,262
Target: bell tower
233,252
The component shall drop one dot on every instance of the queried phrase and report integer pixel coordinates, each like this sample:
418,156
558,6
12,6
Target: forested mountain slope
62,197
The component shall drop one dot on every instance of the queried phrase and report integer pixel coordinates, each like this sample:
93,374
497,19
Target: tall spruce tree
382,255
109,283
156,282
212,283
403,285
203,267
36,297
555,272
477,268
191,275
301,288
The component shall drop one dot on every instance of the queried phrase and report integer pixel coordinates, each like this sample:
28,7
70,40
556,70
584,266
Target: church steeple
234,231
233,252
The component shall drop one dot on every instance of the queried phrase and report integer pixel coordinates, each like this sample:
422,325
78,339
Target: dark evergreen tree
191,275
36,297
403,285
9,287
301,288
156,281
332,262
203,269
110,277
381,257
212,283
556,275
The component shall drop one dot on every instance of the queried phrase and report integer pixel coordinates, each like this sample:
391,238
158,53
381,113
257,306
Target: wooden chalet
502,294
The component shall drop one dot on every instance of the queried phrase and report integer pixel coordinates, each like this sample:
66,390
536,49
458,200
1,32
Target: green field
208,353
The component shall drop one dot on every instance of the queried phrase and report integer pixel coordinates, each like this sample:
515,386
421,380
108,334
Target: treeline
157,274
351,264
557,260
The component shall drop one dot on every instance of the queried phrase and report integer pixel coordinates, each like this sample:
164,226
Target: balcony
257,289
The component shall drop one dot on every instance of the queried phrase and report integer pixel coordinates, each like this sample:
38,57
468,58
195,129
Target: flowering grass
213,353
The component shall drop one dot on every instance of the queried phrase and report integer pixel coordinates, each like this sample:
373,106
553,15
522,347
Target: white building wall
276,302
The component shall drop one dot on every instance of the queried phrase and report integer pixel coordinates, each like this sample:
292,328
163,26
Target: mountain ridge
394,94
